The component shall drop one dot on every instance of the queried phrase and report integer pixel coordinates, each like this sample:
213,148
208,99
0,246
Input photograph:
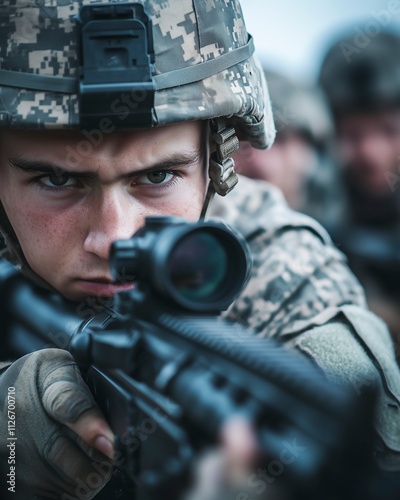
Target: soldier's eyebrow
35,167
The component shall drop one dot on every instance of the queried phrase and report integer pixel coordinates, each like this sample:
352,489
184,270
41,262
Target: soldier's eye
156,177
57,180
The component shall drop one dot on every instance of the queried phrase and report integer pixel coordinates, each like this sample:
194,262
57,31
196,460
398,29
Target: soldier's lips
102,287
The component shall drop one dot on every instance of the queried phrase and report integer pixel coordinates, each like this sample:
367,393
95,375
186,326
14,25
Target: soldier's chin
375,184
378,185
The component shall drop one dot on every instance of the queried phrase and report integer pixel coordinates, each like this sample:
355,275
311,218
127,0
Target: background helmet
300,108
199,62
362,72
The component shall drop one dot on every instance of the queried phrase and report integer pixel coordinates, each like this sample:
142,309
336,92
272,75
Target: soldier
361,78
95,138
298,162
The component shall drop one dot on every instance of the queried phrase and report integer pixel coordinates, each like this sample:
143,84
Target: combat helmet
70,63
362,73
299,107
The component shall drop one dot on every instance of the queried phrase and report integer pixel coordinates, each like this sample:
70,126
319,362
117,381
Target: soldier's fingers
67,399
240,448
222,473
94,430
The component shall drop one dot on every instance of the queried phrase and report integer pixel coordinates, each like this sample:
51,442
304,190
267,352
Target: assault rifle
168,373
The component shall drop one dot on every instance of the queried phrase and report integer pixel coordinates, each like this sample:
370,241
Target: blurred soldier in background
298,162
361,78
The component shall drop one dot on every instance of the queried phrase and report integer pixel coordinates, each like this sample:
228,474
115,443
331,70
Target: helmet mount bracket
116,65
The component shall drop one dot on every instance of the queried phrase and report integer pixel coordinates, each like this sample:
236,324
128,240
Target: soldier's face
286,165
369,148
68,199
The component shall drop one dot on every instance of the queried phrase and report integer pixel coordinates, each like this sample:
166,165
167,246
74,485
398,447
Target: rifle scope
201,267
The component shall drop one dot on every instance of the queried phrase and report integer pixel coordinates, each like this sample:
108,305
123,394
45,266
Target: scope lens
197,266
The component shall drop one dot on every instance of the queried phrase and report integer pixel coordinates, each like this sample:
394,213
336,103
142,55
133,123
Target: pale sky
291,36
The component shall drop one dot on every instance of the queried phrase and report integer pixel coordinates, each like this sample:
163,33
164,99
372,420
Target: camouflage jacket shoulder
297,272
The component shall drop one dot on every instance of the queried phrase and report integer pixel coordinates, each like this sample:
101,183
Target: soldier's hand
63,444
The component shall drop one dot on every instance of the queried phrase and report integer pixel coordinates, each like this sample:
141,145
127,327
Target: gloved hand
58,430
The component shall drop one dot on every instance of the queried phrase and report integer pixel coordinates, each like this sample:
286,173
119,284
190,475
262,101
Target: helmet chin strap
221,170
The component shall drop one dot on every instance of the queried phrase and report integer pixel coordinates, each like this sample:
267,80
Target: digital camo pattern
40,36
297,272
302,293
